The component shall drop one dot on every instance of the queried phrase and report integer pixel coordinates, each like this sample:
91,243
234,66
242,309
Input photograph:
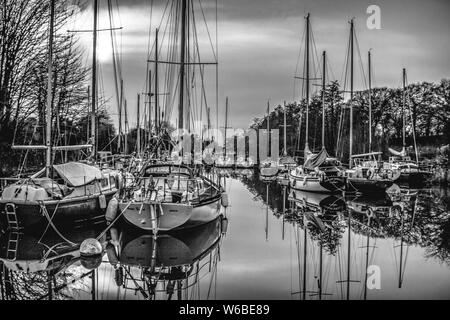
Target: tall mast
351,92
156,84
138,126
113,47
119,141
182,64
403,109
226,127
48,131
126,127
94,84
323,98
307,86
284,131
149,123
268,128
370,102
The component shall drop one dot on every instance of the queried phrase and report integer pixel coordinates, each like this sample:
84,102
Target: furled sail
399,154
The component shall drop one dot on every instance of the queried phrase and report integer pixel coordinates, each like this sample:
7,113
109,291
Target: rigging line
149,44
150,50
361,62
217,65
346,71
207,29
173,20
201,68
330,70
317,65
298,63
115,71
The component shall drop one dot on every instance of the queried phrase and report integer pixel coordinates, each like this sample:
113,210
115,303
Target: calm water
293,246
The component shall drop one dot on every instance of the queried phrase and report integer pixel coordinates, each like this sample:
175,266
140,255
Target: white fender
112,210
102,201
225,202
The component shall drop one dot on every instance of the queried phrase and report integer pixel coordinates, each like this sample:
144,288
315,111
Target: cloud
259,44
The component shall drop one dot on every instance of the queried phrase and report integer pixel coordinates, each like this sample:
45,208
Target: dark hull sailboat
368,186
414,178
76,194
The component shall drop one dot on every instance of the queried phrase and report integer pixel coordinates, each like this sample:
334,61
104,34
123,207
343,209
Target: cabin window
112,181
104,182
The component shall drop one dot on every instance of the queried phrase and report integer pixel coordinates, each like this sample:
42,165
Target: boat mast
119,141
138,127
323,98
403,111
370,102
48,131
284,131
351,92
182,63
156,84
266,229
116,83
307,86
126,127
268,128
94,84
226,127
149,123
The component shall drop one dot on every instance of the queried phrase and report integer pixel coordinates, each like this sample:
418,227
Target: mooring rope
113,222
45,212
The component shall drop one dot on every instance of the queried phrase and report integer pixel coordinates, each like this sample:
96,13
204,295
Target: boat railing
163,189
106,183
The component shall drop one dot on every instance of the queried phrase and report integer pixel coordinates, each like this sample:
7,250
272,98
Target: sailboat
285,163
61,194
320,172
165,195
366,176
225,161
410,172
268,168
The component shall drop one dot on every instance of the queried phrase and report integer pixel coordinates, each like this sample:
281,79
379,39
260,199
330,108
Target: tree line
427,114
24,33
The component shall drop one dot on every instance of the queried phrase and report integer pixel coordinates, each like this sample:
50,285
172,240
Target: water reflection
42,266
280,244
166,266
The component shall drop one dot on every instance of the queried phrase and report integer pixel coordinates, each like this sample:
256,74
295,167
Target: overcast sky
259,42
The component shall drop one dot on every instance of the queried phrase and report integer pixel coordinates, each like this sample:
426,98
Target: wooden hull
316,184
69,212
368,186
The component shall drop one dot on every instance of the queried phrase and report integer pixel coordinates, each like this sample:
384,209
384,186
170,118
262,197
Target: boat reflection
166,266
42,266
345,234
